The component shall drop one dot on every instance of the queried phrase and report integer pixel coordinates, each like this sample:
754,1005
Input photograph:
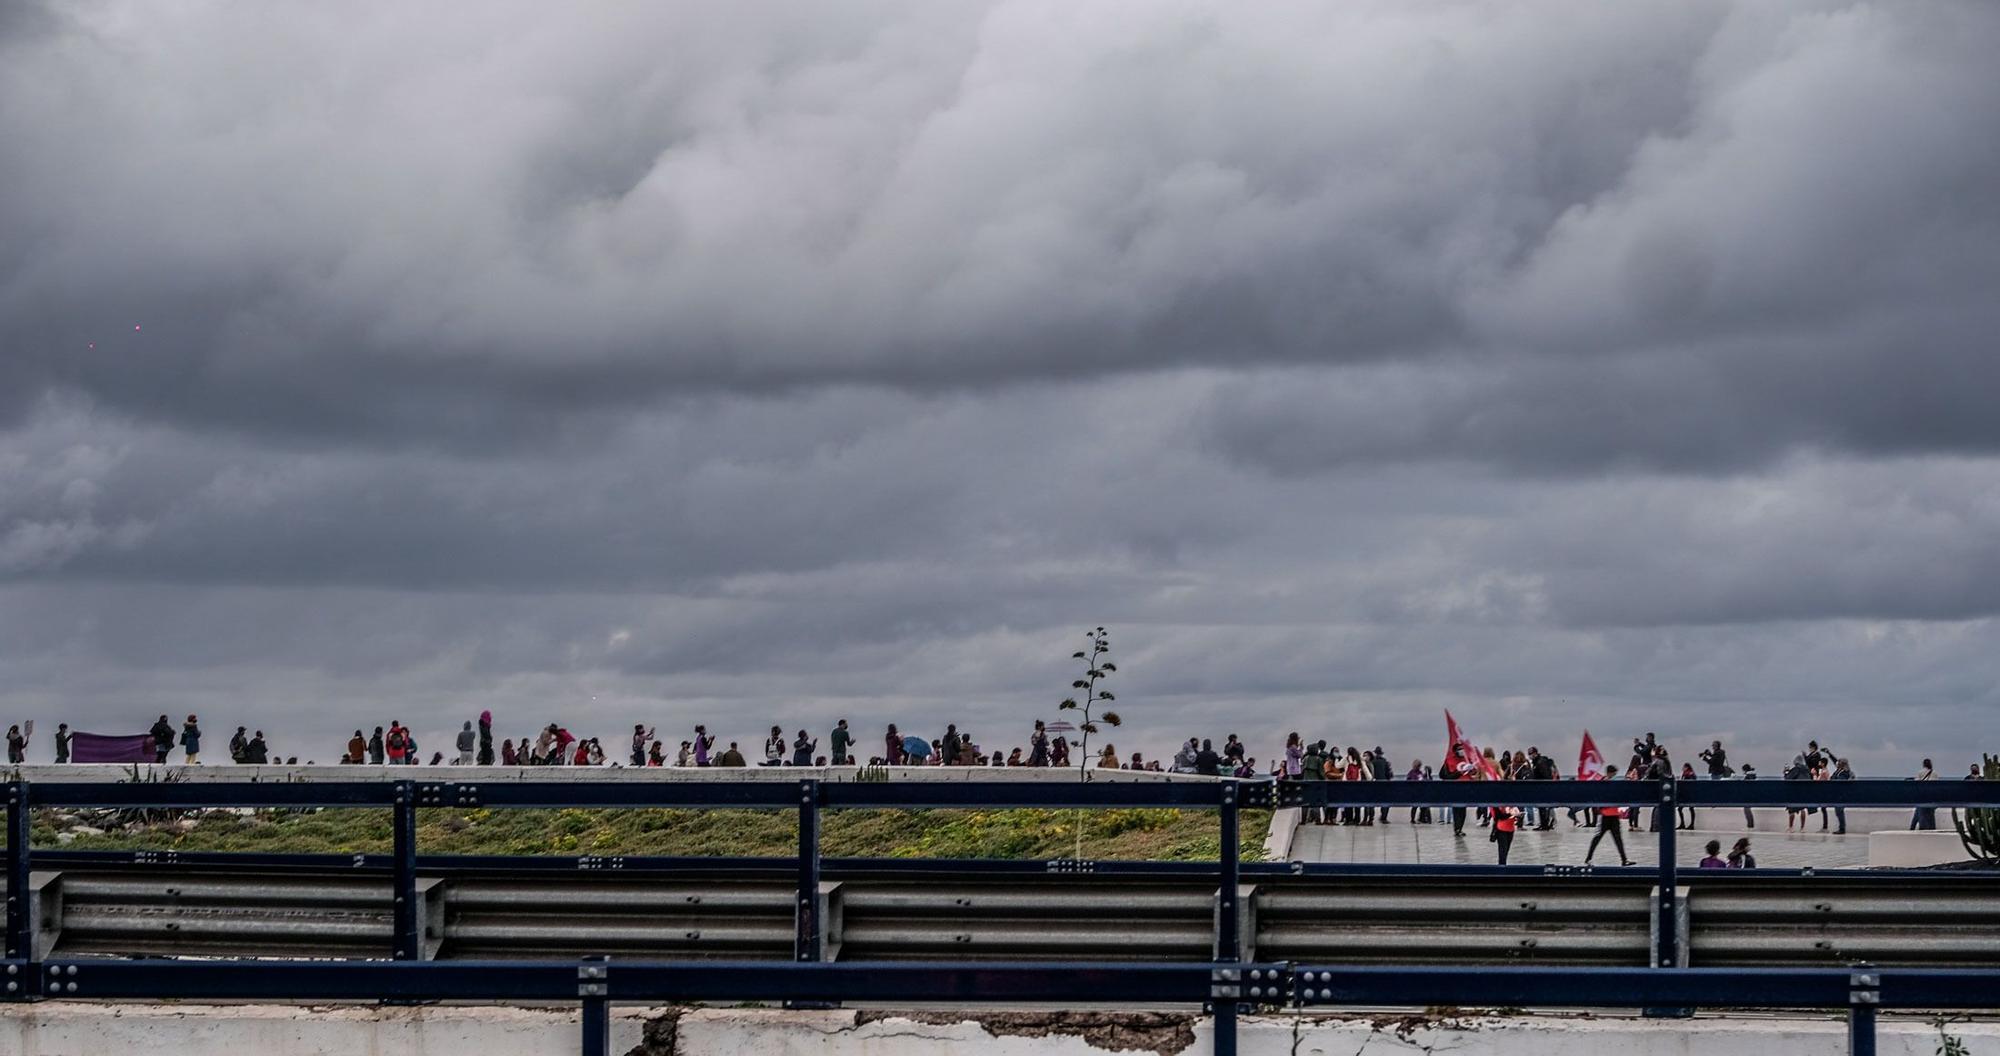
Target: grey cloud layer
475,223
1568,363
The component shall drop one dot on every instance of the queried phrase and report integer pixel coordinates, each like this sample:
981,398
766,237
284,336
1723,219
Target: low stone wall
112,772
75,1029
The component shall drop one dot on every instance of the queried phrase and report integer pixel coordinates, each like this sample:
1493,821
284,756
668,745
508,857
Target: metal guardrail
85,910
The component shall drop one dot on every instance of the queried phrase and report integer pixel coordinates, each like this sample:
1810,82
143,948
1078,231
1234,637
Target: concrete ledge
59,1028
1906,849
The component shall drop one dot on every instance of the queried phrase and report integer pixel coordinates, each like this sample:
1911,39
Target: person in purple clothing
1714,859
1418,815
703,741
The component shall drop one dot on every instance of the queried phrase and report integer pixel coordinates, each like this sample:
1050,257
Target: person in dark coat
163,740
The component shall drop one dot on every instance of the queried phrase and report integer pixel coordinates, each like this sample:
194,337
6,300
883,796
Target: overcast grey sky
1567,363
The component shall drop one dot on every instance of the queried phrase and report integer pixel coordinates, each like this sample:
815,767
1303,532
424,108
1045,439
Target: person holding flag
1611,820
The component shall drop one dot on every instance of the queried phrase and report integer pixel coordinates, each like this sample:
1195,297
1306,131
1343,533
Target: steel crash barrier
1236,975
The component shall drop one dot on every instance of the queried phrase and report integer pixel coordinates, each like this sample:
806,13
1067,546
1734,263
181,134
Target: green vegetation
1158,835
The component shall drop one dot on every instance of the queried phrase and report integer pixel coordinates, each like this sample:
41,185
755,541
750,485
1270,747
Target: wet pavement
1400,842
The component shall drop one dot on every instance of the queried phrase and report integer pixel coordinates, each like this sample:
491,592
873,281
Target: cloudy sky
1563,363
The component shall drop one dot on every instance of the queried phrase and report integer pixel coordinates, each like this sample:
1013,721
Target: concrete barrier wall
76,1029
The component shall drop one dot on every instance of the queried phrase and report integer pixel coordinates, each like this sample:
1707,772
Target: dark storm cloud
473,227
1621,365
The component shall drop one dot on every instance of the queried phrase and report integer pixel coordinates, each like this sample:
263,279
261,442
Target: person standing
1295,754
238,747
1925,817
17,746
640,737
410,747
468,741
163,740
375,748
1038,745
803,749
398,742
704,742
841,740
191,741
486,738
357,748
951,746
1684,816
1454,769
257,752
1206,762
62,742
1543,768
1379,760
1841,772
774,747
509,757
658,755
893,752
1717,760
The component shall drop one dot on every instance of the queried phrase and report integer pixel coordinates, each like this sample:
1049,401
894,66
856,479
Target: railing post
1229,935
408,943
1667,955
806,942
20,941
593,986
1863,994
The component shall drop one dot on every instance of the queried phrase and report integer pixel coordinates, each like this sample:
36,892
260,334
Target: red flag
1590,762
1455,739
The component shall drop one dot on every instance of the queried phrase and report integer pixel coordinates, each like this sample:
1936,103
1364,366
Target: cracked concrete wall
78,1029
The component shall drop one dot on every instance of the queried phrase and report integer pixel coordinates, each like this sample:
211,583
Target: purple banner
123,748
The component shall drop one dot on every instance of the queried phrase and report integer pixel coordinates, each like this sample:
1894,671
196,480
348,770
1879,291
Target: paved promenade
1402,843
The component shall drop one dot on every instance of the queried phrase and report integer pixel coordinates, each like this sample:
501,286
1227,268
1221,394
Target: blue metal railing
1224,984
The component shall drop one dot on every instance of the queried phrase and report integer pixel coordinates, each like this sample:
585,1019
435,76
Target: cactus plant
1979,827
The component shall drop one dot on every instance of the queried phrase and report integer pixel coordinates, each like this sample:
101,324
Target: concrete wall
75,1029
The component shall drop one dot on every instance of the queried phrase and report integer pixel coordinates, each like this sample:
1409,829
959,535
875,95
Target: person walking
468,743
841,741
1925,818
1418,815
163,740
1610,822
1749,817
1684,816
191,740
1504,821
62,742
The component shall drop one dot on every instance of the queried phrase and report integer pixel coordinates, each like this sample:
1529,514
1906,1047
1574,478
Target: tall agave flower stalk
1979,827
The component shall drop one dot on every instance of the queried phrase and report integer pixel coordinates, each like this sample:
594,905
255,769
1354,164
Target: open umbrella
917,747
